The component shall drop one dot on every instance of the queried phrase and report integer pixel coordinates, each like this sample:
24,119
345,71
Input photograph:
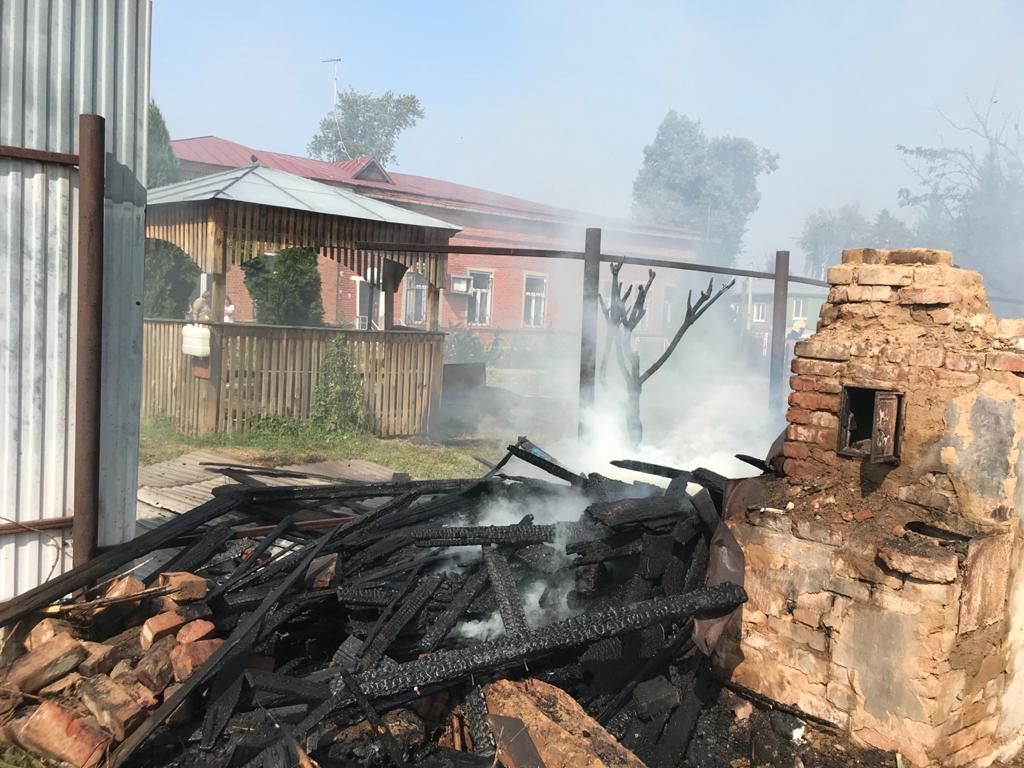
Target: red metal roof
213,150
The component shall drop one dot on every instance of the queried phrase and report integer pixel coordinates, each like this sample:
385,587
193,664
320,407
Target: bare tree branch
693,313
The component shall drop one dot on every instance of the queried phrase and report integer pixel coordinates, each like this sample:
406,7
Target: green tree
827,232
887,231
161,164
970,198
169,276
364,124
285,287
705,184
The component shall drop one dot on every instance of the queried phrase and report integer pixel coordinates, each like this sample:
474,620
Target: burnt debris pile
498,620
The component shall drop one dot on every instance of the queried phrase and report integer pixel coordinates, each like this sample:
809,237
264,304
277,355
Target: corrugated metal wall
60,58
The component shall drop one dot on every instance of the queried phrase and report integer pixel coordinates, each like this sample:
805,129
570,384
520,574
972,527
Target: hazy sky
554,101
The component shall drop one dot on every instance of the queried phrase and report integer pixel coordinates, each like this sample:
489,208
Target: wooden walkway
173,487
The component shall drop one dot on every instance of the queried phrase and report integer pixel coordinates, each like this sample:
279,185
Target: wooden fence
265,370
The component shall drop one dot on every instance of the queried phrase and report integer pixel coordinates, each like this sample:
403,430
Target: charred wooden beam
380,730
617,514
649,469
194,554
363,596
475,708
392,607
451,667
461,536
406,612
513,616
337,491
546,465
253,559
447,619
292,687
599,551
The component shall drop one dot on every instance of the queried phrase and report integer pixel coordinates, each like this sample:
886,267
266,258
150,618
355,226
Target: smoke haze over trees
827,232
364,124
706,184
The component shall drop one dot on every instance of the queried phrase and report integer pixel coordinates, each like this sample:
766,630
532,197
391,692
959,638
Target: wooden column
89,346
389,307
588,323
778,361
210,390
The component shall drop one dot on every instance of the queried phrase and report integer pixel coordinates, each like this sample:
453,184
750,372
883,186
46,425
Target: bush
285,287
339,401
169,276
463,346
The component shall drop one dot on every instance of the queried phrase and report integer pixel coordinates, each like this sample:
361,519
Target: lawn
280,442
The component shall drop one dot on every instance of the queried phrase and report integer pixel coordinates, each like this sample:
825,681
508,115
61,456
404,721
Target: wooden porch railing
265,370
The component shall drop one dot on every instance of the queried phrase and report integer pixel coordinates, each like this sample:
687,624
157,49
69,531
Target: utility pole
335,62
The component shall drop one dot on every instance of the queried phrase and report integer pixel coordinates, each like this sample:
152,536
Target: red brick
186,659
154,670
840,275
807,616
930,296
60,734
1005,361
883,274
826,452
803,383
814,401
46,630
47,663
930,357
320,573
806,367
822,350
200,629
824,419
169,622
187,586
101,659
801,470
942,316
856,293
111,704
795,450
798,416
959,361
817,435
956,379
827,386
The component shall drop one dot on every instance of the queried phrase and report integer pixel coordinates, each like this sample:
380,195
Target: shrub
169,276
338,402
285,287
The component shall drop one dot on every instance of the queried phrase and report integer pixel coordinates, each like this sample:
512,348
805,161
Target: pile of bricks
77,685
882,595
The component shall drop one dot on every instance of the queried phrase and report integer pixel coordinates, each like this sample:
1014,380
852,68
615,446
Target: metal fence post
777,369
89,334
588,323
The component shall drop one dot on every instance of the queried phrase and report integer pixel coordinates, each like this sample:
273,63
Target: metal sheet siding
60,58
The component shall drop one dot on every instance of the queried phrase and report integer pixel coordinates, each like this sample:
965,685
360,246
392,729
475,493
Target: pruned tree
623,318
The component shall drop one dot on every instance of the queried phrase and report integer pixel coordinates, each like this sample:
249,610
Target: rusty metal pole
89,337
780,300
588,323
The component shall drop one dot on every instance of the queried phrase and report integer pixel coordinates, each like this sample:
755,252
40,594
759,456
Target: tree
623,319
827,232
705,184
971,197
890,232
285,287
161,164
364,124
169,276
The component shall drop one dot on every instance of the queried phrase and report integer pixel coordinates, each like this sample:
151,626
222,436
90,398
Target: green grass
276,442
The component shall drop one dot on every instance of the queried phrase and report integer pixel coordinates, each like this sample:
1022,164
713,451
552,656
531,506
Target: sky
555,101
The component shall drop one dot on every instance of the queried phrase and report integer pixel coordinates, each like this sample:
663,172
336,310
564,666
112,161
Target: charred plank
513,616
446,621
461,536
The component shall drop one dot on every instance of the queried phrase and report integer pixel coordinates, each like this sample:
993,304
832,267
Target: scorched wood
513,616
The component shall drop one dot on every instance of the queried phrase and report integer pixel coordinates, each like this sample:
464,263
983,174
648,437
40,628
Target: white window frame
759,312
666,306
476,293
415,283
799,309
532,296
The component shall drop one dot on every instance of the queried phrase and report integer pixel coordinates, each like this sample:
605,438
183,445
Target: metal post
588,323
777,370
89,337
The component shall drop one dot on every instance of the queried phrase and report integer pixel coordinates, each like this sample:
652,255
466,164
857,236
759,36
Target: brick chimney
883,570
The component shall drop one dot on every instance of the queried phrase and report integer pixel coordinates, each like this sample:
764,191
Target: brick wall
885,596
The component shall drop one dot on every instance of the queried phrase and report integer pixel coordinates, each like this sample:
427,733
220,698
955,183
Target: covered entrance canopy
223,220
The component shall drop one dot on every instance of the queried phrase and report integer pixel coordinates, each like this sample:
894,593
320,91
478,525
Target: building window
415,298
799,309
478,310
534,296
670,301
871,424
760,312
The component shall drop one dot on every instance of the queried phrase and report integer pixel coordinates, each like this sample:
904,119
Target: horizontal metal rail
38,155
534,253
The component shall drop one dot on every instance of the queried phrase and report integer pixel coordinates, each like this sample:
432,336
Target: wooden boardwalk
175,486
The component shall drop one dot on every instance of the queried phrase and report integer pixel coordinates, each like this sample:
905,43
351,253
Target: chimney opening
870,424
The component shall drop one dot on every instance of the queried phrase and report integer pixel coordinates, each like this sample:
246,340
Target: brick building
483,293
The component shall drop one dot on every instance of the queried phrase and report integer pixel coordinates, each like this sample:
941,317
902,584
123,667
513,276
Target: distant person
229,309
201,308
798,331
